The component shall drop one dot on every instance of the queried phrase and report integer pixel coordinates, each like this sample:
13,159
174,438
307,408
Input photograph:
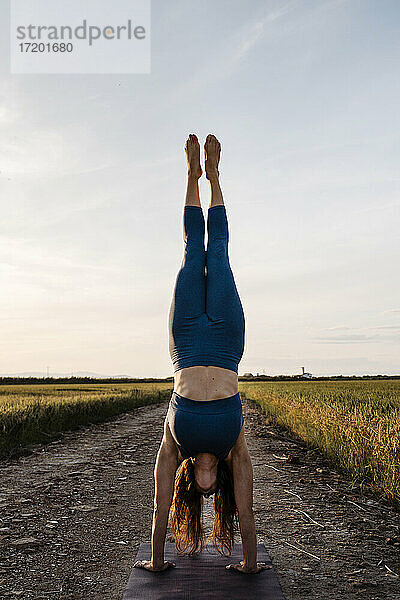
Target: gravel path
73,513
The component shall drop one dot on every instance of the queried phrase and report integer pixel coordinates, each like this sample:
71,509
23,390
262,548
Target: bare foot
212,151
192,150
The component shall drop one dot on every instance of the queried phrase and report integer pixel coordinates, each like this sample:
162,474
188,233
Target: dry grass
356,424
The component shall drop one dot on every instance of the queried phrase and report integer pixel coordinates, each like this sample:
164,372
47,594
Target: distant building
306,375
248,375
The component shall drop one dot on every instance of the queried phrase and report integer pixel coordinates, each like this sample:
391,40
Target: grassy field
38,413
356,424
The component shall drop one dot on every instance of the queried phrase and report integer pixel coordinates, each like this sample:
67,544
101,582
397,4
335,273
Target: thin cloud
252,33
371,328
356,335
385,327
350,338
258,29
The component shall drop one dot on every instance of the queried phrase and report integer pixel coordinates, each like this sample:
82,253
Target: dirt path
73,514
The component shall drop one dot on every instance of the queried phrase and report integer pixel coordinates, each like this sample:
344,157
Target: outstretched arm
243,486
164,476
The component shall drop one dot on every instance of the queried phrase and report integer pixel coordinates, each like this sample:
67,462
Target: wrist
249,566
157,564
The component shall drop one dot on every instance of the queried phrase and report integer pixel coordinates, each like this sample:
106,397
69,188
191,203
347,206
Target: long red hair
187,520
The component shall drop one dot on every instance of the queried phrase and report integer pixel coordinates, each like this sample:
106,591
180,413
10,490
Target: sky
303,96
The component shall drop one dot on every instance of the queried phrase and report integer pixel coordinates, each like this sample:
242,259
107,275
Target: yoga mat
202,577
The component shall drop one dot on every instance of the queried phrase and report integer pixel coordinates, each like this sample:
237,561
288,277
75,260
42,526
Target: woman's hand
149,566
243,569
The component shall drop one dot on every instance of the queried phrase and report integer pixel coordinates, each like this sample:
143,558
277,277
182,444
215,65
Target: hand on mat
148,565
242,569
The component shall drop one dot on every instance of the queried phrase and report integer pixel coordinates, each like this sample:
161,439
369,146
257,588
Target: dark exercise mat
202,577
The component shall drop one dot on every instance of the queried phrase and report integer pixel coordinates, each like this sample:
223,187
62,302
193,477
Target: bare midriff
205,383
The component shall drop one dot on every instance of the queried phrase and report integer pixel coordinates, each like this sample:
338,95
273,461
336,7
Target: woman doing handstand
203,450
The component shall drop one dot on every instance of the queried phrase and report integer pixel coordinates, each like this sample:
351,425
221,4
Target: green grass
38,413
356,424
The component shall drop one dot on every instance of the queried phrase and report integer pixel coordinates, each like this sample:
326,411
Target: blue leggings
206,321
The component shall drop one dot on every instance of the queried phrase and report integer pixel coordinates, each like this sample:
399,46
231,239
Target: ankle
194,174
212,174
